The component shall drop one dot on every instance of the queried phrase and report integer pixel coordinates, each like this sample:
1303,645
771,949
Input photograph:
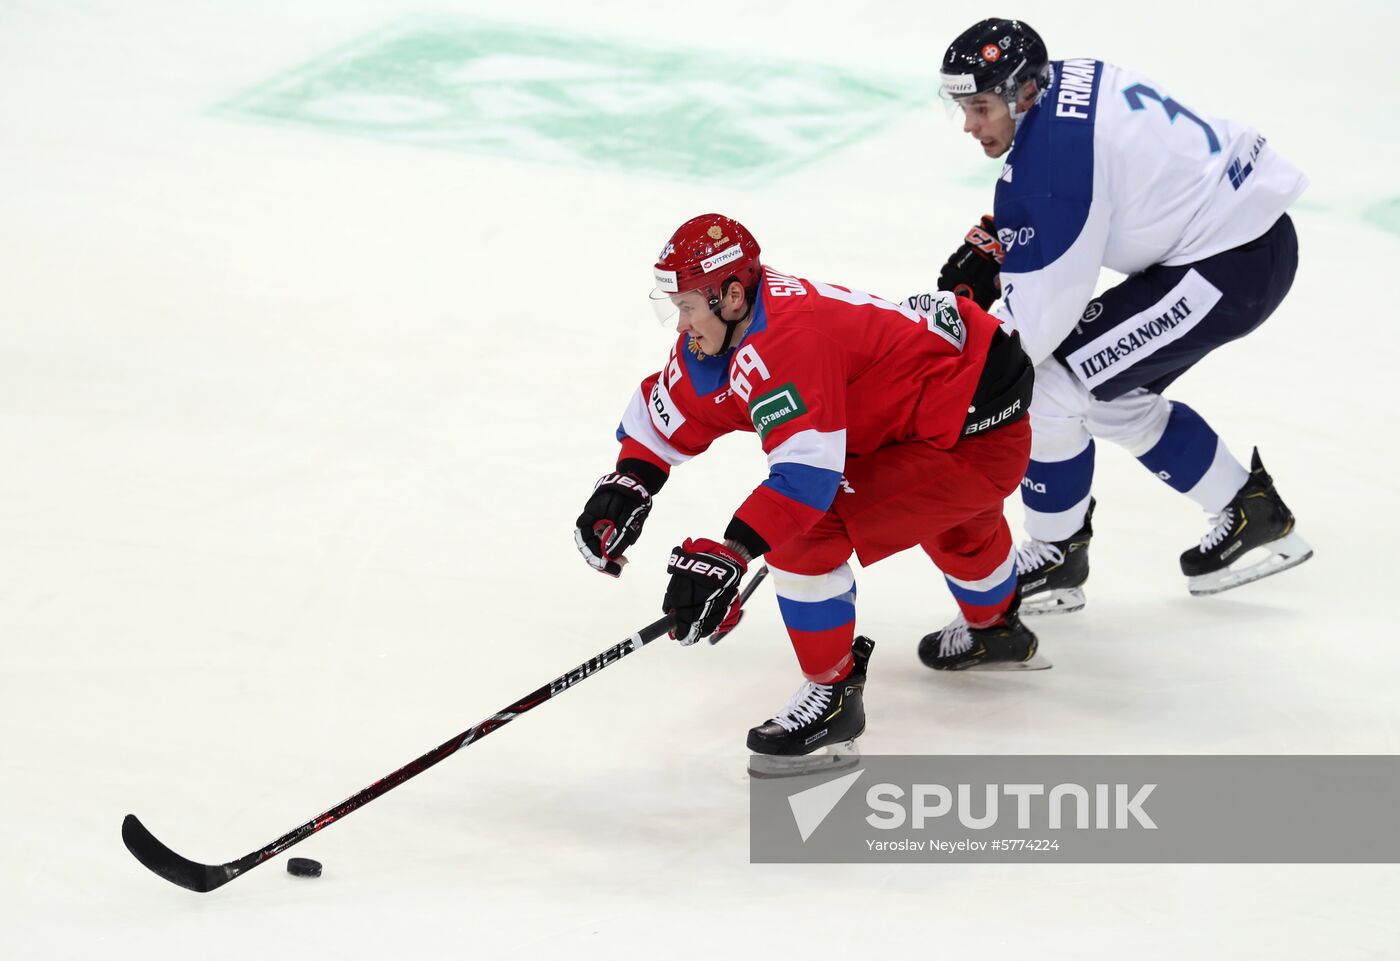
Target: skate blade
1286,552
836,757
1066,600
1037,662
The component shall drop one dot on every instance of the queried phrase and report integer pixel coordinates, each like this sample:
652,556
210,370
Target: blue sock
1192,459
1056,495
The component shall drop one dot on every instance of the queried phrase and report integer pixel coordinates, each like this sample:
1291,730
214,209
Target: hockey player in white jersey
1104,168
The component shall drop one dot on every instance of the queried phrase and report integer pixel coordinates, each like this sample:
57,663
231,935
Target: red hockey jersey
823,373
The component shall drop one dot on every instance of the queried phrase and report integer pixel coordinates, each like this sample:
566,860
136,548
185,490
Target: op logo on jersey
991,53
1011,237
776,407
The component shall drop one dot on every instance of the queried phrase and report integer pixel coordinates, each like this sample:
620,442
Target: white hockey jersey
1107,170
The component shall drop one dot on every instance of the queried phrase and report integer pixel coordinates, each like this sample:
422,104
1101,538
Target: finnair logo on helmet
666,281
719,260
959,83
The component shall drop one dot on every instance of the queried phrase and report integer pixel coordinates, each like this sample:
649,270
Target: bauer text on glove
612,520
703,591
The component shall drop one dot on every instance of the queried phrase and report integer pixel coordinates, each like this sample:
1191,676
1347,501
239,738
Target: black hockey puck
304,867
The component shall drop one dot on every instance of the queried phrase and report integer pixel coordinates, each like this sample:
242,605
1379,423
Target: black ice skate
1051,574
1253,537
1008,646
820,717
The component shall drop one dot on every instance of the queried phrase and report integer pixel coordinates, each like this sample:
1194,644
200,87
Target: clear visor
979,106
664,307
989,107
952,104
958,91
669,307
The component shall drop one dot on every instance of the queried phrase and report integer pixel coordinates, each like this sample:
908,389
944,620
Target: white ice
293,430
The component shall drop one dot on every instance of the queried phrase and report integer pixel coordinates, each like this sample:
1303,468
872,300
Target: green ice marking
531,94
1385,215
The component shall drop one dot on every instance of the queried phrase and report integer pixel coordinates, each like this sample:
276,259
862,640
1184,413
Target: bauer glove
612,520
704,589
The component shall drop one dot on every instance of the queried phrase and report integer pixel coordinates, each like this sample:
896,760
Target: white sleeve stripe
814,448
636,424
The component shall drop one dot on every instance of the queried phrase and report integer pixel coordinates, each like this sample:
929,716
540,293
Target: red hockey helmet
704,253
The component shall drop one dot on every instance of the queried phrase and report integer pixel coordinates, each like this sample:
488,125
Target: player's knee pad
838,582
1057,438
1136,421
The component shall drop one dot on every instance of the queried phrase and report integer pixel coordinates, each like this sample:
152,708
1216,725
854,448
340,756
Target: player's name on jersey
1076,90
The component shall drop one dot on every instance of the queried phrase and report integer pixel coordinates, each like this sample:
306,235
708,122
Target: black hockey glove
612,520
704,589
974,270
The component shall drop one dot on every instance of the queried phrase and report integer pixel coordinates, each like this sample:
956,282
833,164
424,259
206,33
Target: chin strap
732,325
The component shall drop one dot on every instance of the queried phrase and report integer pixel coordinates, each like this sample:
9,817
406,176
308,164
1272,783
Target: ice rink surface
294,426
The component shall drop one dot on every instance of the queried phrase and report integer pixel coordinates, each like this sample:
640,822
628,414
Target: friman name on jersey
1106,176
1075,93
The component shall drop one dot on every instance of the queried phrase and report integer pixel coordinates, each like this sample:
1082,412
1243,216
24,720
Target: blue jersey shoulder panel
1047,184
707,374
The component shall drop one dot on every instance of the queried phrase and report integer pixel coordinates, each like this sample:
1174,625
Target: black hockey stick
206,877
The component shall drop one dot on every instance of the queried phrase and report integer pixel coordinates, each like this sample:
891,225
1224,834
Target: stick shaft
205,877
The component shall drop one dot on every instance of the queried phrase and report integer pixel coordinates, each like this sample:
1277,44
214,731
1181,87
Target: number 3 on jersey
1137,91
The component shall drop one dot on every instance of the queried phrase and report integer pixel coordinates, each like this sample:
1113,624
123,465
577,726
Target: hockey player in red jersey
885,429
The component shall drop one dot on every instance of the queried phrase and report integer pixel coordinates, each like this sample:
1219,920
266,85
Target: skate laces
955,638
1224,522
1034,553
806,705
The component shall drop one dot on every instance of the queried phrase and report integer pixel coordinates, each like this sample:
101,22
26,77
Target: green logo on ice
529,93
775,407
